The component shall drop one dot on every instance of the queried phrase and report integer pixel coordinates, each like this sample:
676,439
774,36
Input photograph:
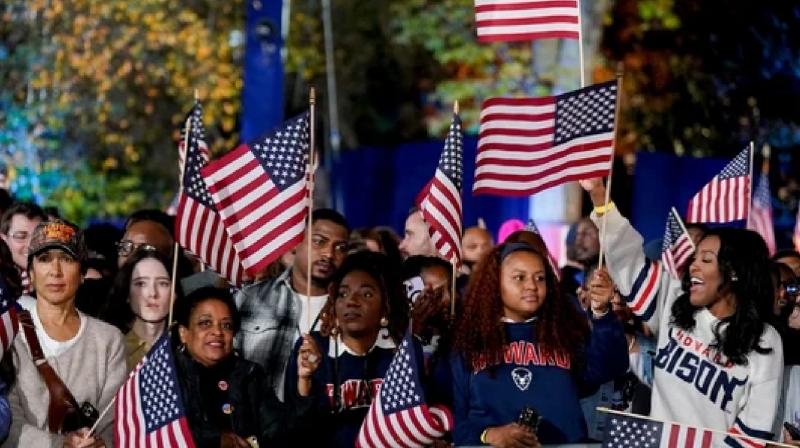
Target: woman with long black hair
520,343
717,363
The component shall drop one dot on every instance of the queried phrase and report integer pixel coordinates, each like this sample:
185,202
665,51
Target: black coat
255,411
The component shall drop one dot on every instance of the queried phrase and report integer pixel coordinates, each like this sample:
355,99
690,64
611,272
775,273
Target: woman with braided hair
339,370
521,344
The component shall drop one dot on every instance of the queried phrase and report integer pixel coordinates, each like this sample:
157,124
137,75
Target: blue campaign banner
380,185
262,95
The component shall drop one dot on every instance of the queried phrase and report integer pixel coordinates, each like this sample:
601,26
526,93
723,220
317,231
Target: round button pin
227,408
223,385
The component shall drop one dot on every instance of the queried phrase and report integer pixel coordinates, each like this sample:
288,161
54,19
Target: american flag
631,432
194,119
399,416
198,227
440,200
677,245
506,20
527,145
761,215
727,197
531,227
9,321
260,190
149,411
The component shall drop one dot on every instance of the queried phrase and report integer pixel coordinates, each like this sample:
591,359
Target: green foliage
108,83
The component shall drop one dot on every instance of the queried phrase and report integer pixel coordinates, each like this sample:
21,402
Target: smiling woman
228,401
717,363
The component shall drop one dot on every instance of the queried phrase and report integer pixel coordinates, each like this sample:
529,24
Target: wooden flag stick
683,227
187,130
611,169
716,431
99,418
196,95
455,107
312,165
453,289
580,46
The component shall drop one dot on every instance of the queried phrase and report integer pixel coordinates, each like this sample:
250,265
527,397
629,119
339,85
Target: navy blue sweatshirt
532,377
359,377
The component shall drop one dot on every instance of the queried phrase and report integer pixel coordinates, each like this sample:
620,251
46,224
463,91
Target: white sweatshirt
693,383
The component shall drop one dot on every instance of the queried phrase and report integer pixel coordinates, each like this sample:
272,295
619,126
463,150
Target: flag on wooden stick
727,197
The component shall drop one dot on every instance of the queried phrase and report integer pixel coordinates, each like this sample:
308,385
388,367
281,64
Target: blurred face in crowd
141,233
56,276
209,336
416,240
523,286
328,250
437,277
705,276
477,242
791,261
785,288
587,244
794,318
149,291
359,305
18,238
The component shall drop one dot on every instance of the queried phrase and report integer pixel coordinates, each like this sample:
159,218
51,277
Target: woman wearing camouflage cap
63,358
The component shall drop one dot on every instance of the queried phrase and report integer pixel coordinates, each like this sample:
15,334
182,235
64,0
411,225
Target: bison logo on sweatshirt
522,377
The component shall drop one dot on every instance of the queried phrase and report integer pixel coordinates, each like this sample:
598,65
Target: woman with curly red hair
521,344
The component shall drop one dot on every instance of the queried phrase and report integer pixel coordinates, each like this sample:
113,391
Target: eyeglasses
20,236
126,247
791,288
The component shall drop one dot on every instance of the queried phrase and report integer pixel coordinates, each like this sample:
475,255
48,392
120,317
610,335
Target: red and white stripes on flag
681,436
677,245
440,200
727,197
194,120
761,215
148,410
526,145
508,20
261,191
399,416
9,320
198,227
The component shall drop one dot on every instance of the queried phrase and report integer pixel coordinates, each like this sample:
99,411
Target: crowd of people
522,351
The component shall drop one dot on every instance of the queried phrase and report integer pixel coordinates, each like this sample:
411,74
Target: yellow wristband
483,436
601,209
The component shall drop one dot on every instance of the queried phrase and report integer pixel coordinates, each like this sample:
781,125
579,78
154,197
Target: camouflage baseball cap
57,234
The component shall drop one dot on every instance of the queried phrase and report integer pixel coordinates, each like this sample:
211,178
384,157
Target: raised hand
308,360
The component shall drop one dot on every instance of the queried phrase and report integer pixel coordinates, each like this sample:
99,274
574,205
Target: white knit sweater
92,368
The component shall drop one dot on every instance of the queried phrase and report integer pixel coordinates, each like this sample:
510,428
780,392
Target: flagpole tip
455,107
196,95
312,96
620,69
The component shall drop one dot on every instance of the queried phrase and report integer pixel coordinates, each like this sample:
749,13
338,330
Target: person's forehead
54,251
790,260
329,229
435,273
22,222
146,230
477,235
149,266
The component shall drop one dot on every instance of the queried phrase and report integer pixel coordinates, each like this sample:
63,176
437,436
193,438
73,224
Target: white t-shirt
50,346
316,305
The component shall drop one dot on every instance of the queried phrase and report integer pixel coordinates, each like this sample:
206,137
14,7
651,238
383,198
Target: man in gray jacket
275,312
